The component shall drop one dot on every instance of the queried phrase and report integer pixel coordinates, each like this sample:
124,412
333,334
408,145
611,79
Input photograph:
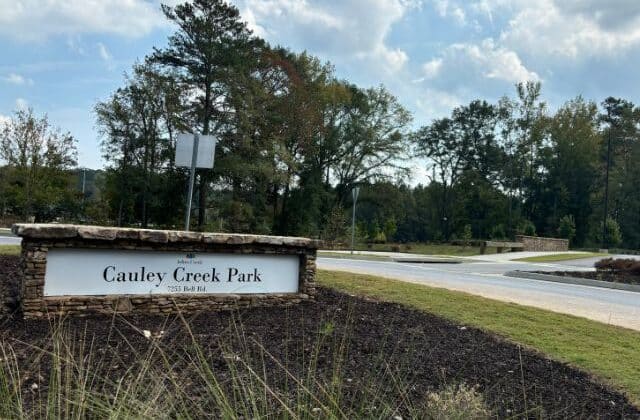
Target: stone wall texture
535,243
38,239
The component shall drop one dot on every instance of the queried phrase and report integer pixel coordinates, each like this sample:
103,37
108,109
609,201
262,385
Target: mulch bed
613,277
9,293
424,351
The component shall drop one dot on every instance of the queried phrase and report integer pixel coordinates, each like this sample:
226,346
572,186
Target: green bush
567,227
467,235
614,236
498,232
526,227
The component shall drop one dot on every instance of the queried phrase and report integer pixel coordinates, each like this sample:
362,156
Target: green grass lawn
561,257
9,249
609,352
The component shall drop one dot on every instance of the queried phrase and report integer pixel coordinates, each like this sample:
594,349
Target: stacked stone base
39,239
541,244
156,304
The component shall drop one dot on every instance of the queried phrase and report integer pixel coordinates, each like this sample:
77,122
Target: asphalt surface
487,279
9,240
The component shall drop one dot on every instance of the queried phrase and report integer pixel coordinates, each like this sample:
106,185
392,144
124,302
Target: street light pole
354,194
192,177
606,186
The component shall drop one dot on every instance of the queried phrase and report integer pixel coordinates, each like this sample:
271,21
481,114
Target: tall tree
373,139
524,129
38,159
138,124
572,167
213,53
620,120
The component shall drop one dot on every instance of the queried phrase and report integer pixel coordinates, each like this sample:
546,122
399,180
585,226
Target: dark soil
613,277
366,338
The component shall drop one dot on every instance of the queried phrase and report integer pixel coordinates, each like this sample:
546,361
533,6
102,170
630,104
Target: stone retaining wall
37,240
535,243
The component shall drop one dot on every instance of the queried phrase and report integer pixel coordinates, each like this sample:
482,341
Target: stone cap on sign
42,231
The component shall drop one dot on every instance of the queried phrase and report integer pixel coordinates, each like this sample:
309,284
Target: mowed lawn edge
561,257
10,249
610,353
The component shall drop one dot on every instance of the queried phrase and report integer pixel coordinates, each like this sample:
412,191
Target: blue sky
62,56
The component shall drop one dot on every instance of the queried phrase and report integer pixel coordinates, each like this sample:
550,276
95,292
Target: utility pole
606,185
84,178
192,177
354,194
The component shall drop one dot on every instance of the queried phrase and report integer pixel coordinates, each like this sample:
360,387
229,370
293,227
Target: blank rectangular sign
83,272
184,150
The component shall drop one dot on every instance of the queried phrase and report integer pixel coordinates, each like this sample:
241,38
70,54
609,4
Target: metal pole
84,177
606,186
192,177
354,194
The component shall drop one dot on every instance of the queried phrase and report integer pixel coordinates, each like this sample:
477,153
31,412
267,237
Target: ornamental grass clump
170,372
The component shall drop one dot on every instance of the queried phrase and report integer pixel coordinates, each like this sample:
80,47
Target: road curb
574,280
425,260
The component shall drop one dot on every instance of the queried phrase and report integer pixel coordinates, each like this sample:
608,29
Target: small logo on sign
190,258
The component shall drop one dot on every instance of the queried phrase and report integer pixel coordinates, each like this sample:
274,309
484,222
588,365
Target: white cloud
431,69
300,10
17,79
436,103
34,20
447,8
335,29
466,62
75,44
104,53
252,23
572,29
22,104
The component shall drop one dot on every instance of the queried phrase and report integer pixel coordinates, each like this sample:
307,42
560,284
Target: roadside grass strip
9,249
561,257
610,353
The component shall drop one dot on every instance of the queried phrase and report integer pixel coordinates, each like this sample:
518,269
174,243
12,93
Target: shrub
527,228
498,232
567,227
614,236
336,228
634,269
390,228
604,264
466,236
395,248
619,265
380,238
458,403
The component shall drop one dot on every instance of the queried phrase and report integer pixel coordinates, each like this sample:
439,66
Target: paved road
9,240
487,279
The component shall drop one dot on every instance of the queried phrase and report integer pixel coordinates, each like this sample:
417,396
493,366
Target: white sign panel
184,150
114,272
